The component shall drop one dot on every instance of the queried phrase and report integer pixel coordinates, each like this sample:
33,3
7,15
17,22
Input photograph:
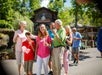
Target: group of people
50,47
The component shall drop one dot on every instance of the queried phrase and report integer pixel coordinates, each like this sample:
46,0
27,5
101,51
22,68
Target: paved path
89,64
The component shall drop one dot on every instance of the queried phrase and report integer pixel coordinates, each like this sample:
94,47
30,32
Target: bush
18,17
5,24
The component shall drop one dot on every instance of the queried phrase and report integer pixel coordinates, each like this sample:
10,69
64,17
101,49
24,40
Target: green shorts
28,65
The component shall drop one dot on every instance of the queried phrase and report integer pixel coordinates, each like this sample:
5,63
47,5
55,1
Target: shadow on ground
98,57
83,55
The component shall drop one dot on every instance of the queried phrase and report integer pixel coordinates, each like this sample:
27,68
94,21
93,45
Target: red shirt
28,50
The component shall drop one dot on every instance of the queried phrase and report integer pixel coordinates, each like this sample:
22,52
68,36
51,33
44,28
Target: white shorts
19,57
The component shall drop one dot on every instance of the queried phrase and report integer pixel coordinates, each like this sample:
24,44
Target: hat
22,22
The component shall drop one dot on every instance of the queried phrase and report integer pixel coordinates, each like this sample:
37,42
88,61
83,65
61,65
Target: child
28,48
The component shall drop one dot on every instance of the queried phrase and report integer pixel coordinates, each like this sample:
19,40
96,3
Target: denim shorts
76,49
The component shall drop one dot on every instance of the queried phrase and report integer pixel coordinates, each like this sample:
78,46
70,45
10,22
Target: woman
69,42
18,38
43,43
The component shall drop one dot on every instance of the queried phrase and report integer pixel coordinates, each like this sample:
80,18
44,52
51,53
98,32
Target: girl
69,42
43,42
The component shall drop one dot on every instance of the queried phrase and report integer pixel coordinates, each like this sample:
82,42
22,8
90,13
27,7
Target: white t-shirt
20,39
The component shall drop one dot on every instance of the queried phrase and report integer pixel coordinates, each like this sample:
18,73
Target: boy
28,48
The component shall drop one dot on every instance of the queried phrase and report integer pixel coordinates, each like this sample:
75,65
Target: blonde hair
68,28
23,23
40,34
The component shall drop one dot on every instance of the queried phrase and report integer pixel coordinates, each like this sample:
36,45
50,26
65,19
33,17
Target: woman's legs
45,62
65,61
39,65
19,69
20,61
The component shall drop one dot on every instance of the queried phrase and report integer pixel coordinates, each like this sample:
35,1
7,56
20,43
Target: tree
18,17
86,13
12,11
6,11
65,16
33,5
56,5
63,12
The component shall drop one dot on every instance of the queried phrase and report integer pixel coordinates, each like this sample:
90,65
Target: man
51,34
76,45
59,47
99,41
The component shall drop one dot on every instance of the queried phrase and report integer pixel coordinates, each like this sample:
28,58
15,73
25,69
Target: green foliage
6,11
63,12
33,5
5,24
87,14
13,11
30,25
56,5
18,17
65,16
